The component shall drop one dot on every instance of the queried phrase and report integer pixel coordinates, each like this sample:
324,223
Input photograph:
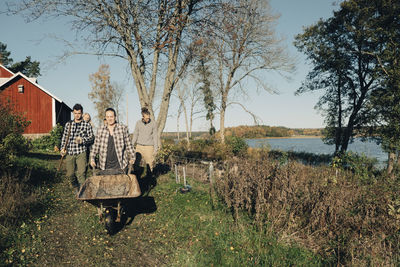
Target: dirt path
71,234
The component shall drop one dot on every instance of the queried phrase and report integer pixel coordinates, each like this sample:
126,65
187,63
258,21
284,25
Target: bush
10,121
362,166
208,149
49,142
237,145
16,144
12,143
165,151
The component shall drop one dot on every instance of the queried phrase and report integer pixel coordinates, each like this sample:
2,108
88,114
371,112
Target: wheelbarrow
108,193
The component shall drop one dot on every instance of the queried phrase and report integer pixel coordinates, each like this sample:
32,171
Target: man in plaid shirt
112,145
80,135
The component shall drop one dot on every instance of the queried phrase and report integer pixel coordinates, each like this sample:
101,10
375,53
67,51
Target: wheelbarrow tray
109,187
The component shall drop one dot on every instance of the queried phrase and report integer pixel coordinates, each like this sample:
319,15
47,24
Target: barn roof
3,67
4,81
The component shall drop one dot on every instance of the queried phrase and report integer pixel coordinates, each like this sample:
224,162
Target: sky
69,80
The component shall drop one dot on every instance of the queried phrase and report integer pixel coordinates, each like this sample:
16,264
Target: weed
341,215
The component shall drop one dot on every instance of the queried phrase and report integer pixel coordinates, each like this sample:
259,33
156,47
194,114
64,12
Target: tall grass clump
340,213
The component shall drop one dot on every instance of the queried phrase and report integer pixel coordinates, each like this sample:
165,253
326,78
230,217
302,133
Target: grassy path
165,228
72,234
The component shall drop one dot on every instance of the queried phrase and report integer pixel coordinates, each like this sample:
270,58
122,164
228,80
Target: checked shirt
123,146
82,129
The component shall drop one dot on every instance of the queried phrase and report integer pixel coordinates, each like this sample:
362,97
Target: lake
316,146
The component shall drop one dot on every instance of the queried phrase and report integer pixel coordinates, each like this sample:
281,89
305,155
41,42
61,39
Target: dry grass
334,214
16,200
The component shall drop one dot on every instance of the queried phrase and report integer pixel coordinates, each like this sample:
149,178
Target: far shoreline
289,137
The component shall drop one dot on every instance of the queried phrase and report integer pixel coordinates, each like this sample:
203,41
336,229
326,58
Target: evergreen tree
27,67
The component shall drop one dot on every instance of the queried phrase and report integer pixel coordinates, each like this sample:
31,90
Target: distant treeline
254,132
174,135
269,131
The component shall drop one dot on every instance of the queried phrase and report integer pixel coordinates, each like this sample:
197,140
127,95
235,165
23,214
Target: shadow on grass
35,172
44,156
132,208
144,204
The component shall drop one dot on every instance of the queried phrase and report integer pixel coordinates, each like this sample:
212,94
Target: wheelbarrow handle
130,168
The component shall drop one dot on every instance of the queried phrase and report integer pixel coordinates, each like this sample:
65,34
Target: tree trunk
187,125
339,130
177,123
390,165
352,119
222,126
191,122
224,99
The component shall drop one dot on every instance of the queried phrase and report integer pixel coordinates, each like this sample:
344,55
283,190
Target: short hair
78,107
145,111
113,110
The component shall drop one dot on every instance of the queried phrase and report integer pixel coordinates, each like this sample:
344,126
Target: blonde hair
86,114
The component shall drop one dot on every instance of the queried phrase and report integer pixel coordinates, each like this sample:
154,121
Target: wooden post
184,175
177,179
193,170
210,176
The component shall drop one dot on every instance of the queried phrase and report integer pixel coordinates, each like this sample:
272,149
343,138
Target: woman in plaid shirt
112,144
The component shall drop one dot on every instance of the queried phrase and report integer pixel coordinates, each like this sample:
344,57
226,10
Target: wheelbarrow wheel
109,220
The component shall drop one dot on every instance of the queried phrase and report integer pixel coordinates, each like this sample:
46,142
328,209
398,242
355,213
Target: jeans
76,168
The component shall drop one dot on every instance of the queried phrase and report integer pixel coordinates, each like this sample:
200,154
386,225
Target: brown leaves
303,204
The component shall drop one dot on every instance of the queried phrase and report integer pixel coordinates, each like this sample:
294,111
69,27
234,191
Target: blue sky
70,80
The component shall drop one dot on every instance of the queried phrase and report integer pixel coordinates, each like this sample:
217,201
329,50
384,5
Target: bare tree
156,37
243,46
104,94
189,97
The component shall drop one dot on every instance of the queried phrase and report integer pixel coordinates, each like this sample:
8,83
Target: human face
86,117
146,118
110,118
77,115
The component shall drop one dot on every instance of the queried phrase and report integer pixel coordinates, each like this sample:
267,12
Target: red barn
39,106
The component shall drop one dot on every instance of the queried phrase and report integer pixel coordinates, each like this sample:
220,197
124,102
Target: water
316,146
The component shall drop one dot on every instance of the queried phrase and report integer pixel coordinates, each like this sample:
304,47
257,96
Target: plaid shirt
81,129
123,145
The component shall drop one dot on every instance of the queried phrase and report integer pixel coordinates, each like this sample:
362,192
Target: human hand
78,140
63,152
131,161
93,164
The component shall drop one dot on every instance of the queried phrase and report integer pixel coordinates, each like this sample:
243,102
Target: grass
25,194
210,237
165,228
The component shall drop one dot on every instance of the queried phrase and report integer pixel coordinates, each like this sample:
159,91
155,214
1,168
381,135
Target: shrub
237,145
165,151
15,144
12,143
362,166
10,121
49,142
